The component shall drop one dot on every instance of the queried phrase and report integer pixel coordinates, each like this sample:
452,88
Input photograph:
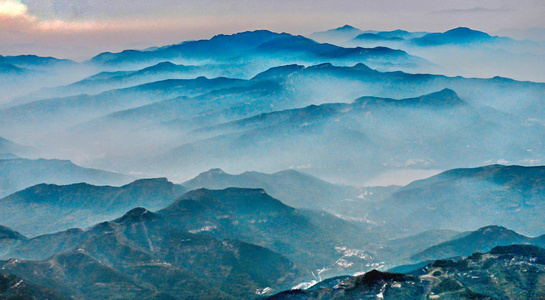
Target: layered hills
315,122
295,188
263,48
257,242
463,199
512,272
481,240
19,173
48,208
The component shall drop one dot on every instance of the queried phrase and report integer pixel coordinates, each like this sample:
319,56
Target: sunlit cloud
14,15
12,8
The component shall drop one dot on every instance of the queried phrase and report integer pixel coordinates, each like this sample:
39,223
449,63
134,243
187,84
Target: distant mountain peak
137,214
10,234
214,171
462,30
375,277
494,230
346,28
480,240
250,200
442,99
162,65
148,181
321,66
278,72
460,35
361,66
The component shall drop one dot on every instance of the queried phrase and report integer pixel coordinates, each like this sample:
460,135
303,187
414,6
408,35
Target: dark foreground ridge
507,272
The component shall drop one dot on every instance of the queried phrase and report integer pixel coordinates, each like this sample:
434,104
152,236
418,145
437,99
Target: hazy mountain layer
10,150
435,131
264,49
62,112
336,36
47,208
9,239
105,81
464,199
482,240
466,52
24,73
17,174
294,188
128,140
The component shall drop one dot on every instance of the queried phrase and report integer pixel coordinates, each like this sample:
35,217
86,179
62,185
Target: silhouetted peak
460,35
493,230
162,65
136,214
361,67
230,190
321,66
148,182
214,171
530,251
247,33
445,97
375,276
10,234
278,72
346,28
247,37
464,31
243,200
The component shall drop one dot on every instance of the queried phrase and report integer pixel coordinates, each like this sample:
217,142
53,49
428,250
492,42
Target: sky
79,29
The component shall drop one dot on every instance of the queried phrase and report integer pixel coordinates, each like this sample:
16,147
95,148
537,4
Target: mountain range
302,127
481,240
9,149
150,253
140,255
511,272
463,199
337,35
140,252
295,188
356,133
264,48
48,208
24,73
155,118
18,173
463,51
105,81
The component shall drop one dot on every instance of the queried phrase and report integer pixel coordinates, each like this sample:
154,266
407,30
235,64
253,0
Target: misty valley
346,164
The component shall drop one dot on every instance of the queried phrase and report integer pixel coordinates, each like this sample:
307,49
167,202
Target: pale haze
80,29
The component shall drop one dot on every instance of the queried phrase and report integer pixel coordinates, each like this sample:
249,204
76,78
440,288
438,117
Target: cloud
12,8
474,10
15,16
